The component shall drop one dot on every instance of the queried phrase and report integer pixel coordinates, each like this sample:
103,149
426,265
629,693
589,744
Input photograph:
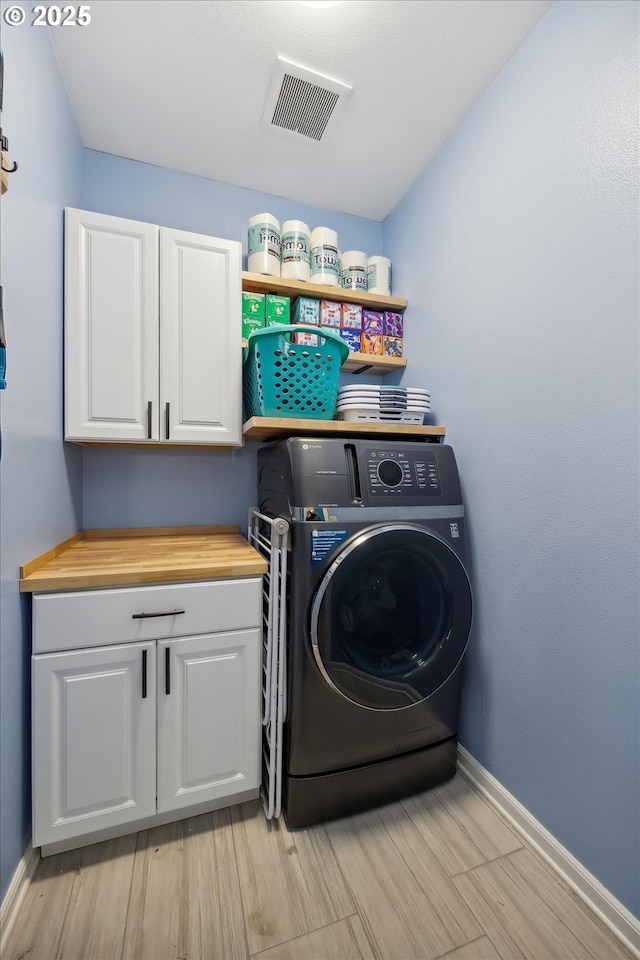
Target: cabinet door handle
166,420
144,674
149,408
167,671
165,613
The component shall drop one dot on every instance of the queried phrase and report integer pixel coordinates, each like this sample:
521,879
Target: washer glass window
391,617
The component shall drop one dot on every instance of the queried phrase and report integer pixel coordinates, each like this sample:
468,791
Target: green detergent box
253,310
277,310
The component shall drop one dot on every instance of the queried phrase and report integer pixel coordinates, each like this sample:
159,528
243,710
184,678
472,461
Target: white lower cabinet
208,718
129,731
94,740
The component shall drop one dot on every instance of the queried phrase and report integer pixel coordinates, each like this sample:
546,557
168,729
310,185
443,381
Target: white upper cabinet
152,333
200,338
111,328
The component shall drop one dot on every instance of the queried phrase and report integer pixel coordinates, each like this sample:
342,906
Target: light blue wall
41,495
155,487
126,188
518,252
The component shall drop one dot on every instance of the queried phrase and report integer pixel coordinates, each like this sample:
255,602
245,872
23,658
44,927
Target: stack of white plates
383,404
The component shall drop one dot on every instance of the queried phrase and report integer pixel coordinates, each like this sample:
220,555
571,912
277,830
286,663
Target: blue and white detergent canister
296,250
354,270
264,245
325,262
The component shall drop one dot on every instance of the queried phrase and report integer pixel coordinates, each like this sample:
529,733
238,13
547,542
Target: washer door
391,617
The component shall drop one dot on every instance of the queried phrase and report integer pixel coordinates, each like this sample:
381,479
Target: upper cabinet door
111,328
200,338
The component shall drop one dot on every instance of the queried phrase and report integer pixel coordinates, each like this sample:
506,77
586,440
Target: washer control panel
394,474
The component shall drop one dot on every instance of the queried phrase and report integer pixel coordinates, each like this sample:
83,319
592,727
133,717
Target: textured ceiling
183,85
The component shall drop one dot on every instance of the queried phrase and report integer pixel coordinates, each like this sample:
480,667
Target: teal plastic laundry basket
286,379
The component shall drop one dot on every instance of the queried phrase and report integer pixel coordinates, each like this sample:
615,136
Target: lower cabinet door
94,739
209,727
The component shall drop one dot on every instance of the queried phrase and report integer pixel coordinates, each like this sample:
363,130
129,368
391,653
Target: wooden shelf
261,283
372,364
275,428
355,362
368,363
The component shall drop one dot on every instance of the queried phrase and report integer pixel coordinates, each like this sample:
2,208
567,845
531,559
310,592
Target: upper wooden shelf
261,283
274,428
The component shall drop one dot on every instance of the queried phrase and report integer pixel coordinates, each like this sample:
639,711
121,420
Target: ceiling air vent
301,102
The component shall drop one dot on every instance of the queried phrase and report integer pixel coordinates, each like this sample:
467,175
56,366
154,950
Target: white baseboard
601,901
16,892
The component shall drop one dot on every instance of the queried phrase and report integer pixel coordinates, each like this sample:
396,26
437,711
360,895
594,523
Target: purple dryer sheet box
372,321
393,326
351,338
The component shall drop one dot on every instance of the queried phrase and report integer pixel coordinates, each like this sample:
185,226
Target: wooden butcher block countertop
132,557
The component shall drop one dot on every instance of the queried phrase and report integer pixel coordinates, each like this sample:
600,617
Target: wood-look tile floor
440,875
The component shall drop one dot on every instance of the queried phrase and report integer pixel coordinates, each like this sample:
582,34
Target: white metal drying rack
270,537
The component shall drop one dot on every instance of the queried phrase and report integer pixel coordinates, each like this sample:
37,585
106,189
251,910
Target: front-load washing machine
379,616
